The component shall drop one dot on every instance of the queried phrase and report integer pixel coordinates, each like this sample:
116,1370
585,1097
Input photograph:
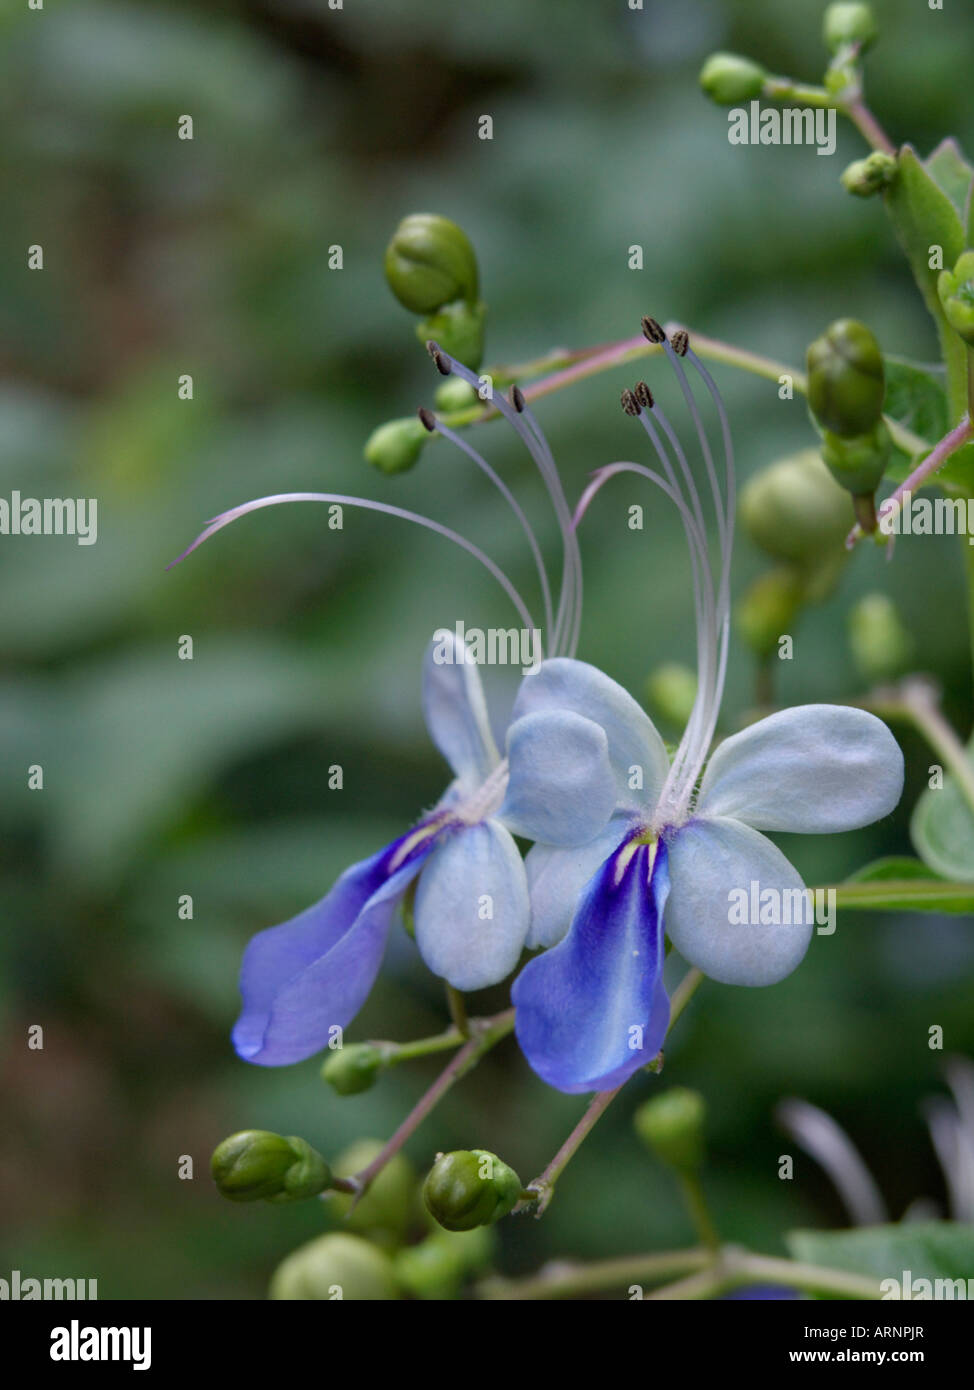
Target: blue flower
673,845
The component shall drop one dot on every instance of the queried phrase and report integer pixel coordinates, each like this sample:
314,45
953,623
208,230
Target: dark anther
434,351
428,418
680,341
653,331
644,395
517,399
629,402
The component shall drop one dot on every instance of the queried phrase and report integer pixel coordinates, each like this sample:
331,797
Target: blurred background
209,777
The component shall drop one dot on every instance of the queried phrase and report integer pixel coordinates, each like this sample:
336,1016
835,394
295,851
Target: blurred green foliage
164,777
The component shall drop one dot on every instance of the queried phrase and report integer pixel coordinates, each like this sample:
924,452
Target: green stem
699,1211
916,700
485,1034
394,1053
458,1011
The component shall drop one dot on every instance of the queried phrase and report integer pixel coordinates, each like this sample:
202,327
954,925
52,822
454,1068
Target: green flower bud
388,1208
335,1266
858,464
430,262
767,610
256,1165
671,690
864,177
458,328
352,1069
793,510
671,1125
439,1265
396,445
849,24
455,394
881,646
956,290
727,78
470,1187
846,380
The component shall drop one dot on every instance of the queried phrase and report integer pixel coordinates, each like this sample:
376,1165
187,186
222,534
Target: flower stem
458,1011
916,700
952,441
699,1211
485,1033
867,125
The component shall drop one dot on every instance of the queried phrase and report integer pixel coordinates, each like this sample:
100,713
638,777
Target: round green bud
458,328
845,23
470,1187
864,177
455,394
396,445
767,610
439,1265
794,510
388,1208
956,290
430,262
336,1266
352,1069
846,379
881,646
727,78
671,690
858,464
255,1165
671,1125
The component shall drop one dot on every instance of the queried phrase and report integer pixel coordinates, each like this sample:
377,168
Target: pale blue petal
636,751
456,711
714,862
815,769
556,878
593,1010
561,789
472,910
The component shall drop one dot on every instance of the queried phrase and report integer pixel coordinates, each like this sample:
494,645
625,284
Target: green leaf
915,396
896,867
951,172
923,216
927,1249
942,830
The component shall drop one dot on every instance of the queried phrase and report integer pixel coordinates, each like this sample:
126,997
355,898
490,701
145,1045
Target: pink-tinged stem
937,456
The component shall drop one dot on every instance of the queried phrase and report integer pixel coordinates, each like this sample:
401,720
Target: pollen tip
681,342
653,330
644,395
629,403
427,418
517,398
433,349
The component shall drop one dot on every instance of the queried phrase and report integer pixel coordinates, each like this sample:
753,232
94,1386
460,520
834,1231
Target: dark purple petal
303,978
593,1009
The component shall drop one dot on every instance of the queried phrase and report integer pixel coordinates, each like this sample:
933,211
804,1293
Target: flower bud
956,290
881,645
793,509
846,380
455,394
352,1069
255,1165
864,177
727,78
430,262
336,1266
388,1207
858,464
458,328
846,23
671,1125
671,690
767,610
438,1266
396,445
470,1187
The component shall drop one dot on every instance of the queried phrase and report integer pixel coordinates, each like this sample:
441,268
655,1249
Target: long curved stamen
515,506
225,518
531,435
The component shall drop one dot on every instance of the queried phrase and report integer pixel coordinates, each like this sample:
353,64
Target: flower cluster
630,844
